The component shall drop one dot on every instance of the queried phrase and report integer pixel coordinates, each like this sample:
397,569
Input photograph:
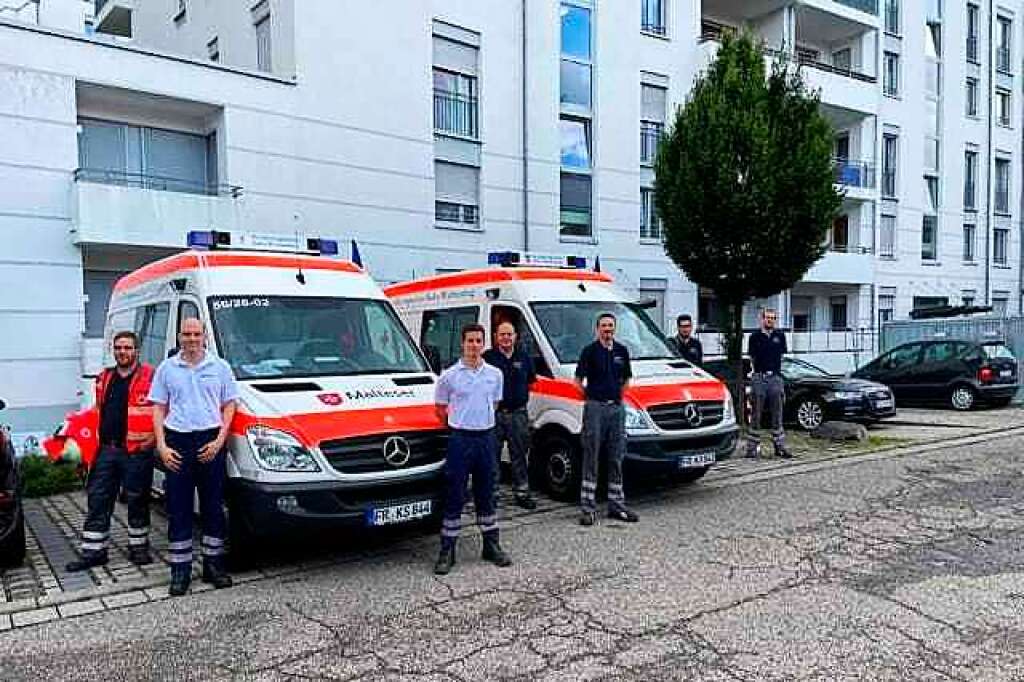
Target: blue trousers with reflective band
180,487
470,453
115,469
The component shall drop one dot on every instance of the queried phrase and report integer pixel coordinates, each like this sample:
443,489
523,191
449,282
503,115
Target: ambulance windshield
570,325
293,336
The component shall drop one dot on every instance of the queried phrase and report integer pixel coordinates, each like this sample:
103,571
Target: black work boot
86,561
620,513
215,574
588,518
494,553
181,578
139,555
445,560
782,452
753,450
526,501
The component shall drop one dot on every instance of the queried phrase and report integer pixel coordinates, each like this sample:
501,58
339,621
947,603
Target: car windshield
995,351
295,336
569,326
798,369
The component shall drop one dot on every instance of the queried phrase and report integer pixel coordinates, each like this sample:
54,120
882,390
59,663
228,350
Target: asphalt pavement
901,564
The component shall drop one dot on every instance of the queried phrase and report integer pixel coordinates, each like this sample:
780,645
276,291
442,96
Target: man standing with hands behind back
766,346
194,395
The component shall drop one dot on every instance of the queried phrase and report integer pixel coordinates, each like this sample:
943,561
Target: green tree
744,183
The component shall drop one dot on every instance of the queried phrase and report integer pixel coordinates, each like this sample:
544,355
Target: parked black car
12,520
813,396
960,374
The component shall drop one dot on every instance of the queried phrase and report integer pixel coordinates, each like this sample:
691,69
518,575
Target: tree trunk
733,331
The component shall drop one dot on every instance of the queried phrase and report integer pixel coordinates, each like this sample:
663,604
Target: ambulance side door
441,334
526,339
152,325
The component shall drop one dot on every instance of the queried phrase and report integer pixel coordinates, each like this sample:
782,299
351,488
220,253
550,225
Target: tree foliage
744,180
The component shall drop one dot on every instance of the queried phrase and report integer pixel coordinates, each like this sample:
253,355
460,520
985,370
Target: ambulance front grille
365,454
674,416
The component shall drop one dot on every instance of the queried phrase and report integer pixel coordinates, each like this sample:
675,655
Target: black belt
114,446
605,402
766,374
471,432
510,410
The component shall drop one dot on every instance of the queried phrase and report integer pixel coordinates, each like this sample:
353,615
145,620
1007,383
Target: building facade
458,127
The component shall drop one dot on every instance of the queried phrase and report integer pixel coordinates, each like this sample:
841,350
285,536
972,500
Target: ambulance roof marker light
511,259
273,243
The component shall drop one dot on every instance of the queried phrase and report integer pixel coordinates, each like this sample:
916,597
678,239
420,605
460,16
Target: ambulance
336,422
679,419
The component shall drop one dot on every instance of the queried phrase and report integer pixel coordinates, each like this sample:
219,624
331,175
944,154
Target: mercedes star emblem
692,414
396,451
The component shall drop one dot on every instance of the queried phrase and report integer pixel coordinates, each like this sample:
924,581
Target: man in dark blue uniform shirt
512,423
766,347
685,343
603,372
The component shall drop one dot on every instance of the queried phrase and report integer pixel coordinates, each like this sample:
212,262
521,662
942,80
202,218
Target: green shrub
41,477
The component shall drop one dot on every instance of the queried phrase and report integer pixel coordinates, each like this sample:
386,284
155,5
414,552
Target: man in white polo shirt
466,395
194,395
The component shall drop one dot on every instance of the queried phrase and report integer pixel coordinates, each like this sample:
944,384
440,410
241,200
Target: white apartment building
433,132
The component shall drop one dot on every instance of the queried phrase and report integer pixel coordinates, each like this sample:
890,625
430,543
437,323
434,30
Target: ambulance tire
558,465
241,542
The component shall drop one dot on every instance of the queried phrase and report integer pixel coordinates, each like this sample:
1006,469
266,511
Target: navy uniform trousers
181,486
470,453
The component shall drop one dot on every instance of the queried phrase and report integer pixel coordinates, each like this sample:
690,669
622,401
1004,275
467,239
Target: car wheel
559,466
12,550
690,476
810,414
962,397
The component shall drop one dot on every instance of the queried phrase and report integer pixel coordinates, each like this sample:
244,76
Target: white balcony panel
843,91
114,214
842,268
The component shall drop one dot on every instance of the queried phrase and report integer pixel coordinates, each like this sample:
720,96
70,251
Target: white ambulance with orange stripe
336,422
679,419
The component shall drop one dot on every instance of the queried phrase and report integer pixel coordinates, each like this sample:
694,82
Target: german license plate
1006,373
883,404
398,513
698,460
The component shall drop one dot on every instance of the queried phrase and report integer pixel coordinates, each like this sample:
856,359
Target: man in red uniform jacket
124,459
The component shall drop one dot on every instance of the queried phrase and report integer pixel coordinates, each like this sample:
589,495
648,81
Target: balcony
114,17
141,210
853,264
650,136
456,114
866,6
859,174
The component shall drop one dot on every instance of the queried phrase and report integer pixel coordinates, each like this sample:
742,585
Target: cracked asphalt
904,566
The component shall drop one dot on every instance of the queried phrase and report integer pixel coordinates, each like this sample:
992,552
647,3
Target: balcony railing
155,182
854,173
451,212
805,58
455,114
650,135
1003,59
868,6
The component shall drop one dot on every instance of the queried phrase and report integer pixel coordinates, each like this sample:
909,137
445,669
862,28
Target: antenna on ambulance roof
299,277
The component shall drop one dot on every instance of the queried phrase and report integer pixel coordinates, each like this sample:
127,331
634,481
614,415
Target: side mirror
2,404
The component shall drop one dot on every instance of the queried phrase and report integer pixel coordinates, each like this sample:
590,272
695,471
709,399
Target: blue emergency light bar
250,241
511,259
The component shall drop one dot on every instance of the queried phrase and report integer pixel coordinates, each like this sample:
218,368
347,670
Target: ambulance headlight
279,451
729,412
637,420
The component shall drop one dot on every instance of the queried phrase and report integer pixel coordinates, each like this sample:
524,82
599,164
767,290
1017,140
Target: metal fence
1009,330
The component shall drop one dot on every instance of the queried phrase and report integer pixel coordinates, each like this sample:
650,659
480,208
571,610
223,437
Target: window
891,74
1000,303
837,308
901,357
98,287
972,97
151,326
576,57
650,224
213,50
969,236
1003,107
456,194
186,310
569,326
840,234
1000,242
970,180
973,12
455,102
968,297
843,59
932,193
940,352
149,158
892,17
652,16
929,238
575,203
889,158
575,143
887,237
1002,186
1005,44
526,339
886,305
922,302
262,25
652,121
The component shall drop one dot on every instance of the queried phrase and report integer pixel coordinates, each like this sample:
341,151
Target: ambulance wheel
559,466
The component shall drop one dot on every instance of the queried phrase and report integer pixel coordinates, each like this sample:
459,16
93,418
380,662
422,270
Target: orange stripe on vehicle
190,260
492,276
557,388
660,394
315,427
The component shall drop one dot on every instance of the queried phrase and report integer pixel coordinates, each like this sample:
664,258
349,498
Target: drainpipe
989,213
526,140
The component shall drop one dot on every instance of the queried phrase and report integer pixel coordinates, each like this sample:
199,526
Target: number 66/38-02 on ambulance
336,421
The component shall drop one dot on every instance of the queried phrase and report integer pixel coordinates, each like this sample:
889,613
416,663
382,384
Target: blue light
328,247
503,258
200,239
578,262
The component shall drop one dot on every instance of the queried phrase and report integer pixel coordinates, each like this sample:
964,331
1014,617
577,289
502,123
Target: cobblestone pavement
903,564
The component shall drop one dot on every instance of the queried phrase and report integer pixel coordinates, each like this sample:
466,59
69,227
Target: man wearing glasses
685,343
766,347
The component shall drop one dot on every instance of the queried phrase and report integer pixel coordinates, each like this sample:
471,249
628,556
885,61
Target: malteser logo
331,399
379,393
